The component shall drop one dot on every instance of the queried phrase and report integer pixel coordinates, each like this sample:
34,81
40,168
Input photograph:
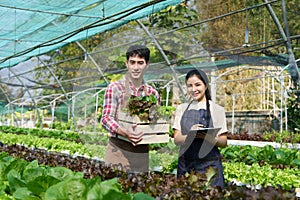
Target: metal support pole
28,92
285,109
213,86
275,19
73,108
84,118
52,112
22,116
69,111
286,37
281,103
232,117
164,56
96,110
60,85
94,62
292,62
168,93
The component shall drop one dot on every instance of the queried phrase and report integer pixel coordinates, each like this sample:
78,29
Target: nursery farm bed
262,144
156,184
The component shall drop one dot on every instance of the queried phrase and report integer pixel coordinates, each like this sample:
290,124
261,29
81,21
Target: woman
199,151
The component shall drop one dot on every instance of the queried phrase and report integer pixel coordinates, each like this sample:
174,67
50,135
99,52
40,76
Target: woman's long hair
203,77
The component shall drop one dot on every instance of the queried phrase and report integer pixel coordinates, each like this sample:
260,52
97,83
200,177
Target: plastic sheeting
33,27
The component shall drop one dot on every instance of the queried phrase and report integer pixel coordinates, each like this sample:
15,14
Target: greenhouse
57,59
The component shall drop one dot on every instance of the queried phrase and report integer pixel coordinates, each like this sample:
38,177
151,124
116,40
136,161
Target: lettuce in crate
147,108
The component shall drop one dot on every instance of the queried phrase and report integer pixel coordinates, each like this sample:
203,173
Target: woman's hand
197,126
199,134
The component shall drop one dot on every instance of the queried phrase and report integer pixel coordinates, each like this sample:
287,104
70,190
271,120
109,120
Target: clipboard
204,131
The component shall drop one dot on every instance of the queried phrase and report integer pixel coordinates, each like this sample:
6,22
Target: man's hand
133,136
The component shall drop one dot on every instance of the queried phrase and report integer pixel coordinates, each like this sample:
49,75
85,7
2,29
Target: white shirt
217,114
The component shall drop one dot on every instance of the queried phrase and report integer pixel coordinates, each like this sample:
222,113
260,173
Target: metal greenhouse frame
49,27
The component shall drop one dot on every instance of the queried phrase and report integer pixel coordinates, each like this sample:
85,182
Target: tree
229,31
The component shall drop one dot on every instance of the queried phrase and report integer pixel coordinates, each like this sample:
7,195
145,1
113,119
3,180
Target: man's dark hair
140,50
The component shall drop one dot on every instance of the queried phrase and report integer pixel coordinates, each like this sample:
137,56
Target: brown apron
131,158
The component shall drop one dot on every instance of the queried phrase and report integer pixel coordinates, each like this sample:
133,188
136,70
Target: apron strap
188,105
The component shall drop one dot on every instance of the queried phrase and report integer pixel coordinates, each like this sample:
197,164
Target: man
132,157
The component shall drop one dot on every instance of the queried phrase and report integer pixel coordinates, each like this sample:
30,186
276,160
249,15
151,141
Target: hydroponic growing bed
158,185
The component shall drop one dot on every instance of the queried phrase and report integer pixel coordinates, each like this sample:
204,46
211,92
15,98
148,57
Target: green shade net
34,27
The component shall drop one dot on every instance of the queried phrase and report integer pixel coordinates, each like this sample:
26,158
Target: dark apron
198,154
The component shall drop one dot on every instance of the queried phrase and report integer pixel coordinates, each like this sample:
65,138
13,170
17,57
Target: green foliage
164,155
53,144
142,107
256,175
170,18
293,112
57,178
241,81
218,34
258,169
72,68
61,125
283,137
27,180
163,160
262,155
267,155
168,147
170,167
60,134
147,108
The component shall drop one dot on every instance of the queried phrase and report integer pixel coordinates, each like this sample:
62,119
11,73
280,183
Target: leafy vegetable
273,184
147,108
283,157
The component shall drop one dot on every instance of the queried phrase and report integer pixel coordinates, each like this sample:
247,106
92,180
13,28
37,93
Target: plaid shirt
114,98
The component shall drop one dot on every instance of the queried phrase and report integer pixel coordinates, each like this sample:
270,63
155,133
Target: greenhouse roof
34,27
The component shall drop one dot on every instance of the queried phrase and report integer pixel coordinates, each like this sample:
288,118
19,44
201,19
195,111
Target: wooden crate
151,138
154,132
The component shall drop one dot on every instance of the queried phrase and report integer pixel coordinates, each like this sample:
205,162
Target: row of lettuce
29,180
20,179
248,165
93,145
